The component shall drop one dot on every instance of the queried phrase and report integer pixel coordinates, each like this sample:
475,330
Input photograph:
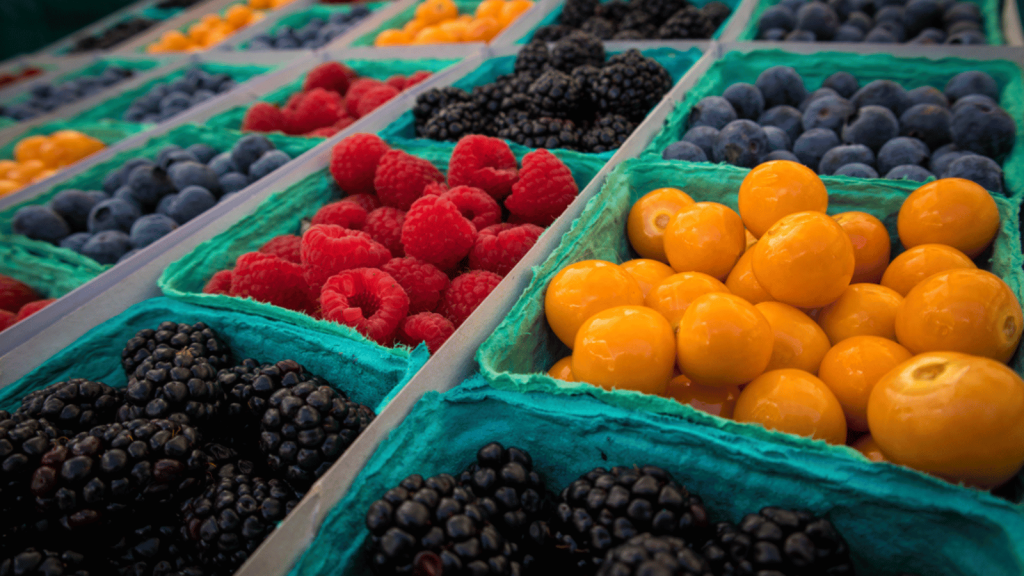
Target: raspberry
220,283
356,92
475,205
435,189
401,178
436,232
366,299
317,109
326,132
293,103
499,248
398,82
345,214
428,327
544,189
354,162
466,293
7,319
423,282
329,249
384,225
374,99
263,117
267,278
332,76
484,163
416,78
32,307
369,202
14,294
287,246
343,122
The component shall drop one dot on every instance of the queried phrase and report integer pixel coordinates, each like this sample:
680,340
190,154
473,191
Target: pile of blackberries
112,36
637,20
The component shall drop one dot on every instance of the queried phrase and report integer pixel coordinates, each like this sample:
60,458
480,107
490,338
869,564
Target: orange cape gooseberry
909,268
861,310
792,401
851,368
583,289
871,246
779,188
713,400
867,446
723,340
673,295
705,237
798,341
951,211
743,283
626,347
647,273
562,370
648,218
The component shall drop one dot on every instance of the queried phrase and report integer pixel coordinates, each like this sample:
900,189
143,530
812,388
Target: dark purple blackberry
608,132
112,36
508,118
586,75
453,122
615,10
436,521
41,562
599,27
547,133
716,12
198,337
577,49
306,428
173,384
605,508
73,406
23,442
630,84
629,35
555,94
647,554
507,477
551,32
431,101
779,541
639,21
152,547
488,98
532,58
249,386
659,9
575,12
231,518
688,23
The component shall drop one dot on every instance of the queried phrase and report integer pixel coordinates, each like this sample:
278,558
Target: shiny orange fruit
238,16
798,341
482,30
795,402
647,273
805,260
433,35
393,38
956,416
512,10
861,310
626,347
723,340
455,28
751,239
871,246
713,400
673,295
705,237
489,9
911,267
6,166
436,11
867,446
8,186
174,40
968,311
562,370
743,283
951,211
26,171
650,216
583,289
851,368
779,188
28,148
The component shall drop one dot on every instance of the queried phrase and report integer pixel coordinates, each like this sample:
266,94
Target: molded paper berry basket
54,271
891,518
522,348
282,213
910,72
403,129
301,16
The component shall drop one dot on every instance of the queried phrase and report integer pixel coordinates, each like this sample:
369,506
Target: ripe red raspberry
356,92
484,163
7,319
328,249
326,132
416,78
466,293
499,248
345,214
354,162
319,108
544,189
333,76
436,232
267,278
263,117
343,122
369,202
398,82
292,103
374,99
384,225
287,246
475,205
31,308
220,283
423,282
14,294
433,329
435,189
401,178
366,299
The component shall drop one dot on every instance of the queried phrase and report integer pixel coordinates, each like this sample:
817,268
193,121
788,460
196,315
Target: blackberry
716,12
640,21
488,97
436,521
231,518
608,132
533,58
453,122
551,33
629,35
306,428
687,23
605,508
198,337
547,133
630,84
508,118
575,12
175,385
615,10
249,386
586,75
153,547
790,542
647,554
73,406
431,101
23,442
577,49
555,94
41,562
659,9
506,476
599,27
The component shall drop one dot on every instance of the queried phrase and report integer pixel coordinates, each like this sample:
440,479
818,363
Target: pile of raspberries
18,301
408,255
333,96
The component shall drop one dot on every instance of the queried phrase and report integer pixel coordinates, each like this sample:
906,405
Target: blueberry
703,136
150,228
186,85
871,126
862,21
260,44
267,163
964,26
113,214
201,96
191,202
967,38
233,182
843,8
684,151
249,149
741,143
793,5
973,99
177,157
781,155
940,164
843,155
714,111
843,83
222,164
40,223
929,36
983,129
819,18
746,100
909,172
164,207
880,35
97,195
900,151
978,169
149,184
891,13
774,35
962,11
856,170
849,33
128,195
185,174
785,117
162,159
777,138
175,101
971,82
927,95
830,112
921,14
800,36
202,152
813,144
816,95
213,82
113,180
107,247
781,85
882,93
777,16
927,122
73,206
943,150
75,241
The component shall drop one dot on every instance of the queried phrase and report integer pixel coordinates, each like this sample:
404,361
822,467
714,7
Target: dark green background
28,25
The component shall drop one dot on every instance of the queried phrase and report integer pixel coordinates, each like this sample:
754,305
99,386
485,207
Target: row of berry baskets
309,269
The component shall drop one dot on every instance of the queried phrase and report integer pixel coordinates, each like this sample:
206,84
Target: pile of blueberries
45,97
846,129
168,99
146,199
112,36
317,33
